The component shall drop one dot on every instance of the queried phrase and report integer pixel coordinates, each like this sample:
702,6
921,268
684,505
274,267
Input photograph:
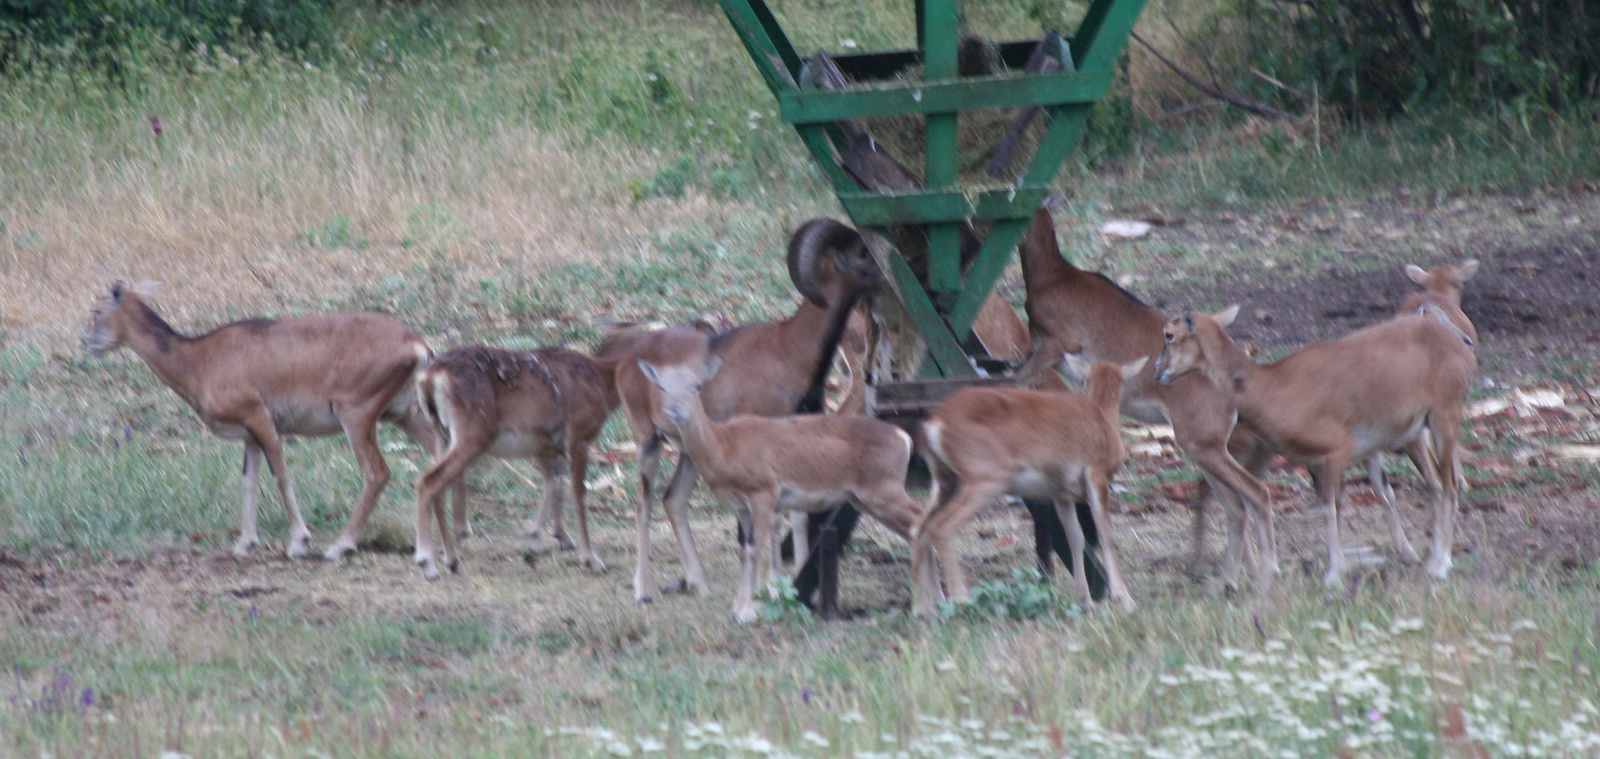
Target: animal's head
108,325
1182,353
1446,279
1101,374
679,385
825,255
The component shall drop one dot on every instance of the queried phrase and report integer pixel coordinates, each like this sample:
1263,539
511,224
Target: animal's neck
1106,396
1448,293
607,369
1042,263
161,347
1227,366
823,328
699,438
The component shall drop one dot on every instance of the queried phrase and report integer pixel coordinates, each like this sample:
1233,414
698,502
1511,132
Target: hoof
1438,568
1333,581
243,546
676,587
531,559
297,547
595,565
429,567
746,615
341,548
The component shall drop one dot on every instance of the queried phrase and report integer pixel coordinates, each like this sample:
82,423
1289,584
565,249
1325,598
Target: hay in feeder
980,132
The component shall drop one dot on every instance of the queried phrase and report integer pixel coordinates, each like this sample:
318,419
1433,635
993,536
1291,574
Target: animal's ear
1132,368
147,288
1226,316
117,291
1417,274
649,370
1188,321
1467,268
713,363
1075,367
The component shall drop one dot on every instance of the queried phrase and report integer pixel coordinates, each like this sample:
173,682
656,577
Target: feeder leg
828,573
1043,542
844,519
1046,521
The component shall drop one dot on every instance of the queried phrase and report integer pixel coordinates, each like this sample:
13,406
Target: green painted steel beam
1104,32
822,149
941,28
940,206
887,63
942,345
765,52
1066,126
984,272
775,33
950,96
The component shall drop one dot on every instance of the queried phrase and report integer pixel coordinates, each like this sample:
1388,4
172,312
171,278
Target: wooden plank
945,96
941,206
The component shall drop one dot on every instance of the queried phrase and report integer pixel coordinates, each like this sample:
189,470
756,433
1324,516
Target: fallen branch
1253,106
1274,82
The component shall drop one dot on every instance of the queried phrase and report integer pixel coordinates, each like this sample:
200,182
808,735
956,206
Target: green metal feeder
824,96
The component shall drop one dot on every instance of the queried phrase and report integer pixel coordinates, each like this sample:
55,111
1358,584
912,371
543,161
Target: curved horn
805,249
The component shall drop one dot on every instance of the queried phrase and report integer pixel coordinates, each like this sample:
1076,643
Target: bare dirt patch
1535,306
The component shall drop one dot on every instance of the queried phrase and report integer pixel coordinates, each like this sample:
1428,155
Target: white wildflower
814,738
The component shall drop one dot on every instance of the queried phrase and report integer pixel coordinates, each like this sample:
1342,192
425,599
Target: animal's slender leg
361,427
677,502
266,435
649,466
1080,584
249,480
579,462
1099,489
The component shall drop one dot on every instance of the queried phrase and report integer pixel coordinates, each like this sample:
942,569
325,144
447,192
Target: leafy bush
104,31
1029,595
1380,57
786,606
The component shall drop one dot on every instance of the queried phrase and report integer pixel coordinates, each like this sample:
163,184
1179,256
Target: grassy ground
519,175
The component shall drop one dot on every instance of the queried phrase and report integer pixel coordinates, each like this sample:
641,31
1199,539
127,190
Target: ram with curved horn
768,369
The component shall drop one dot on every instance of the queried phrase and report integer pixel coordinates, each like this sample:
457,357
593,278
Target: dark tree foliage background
101,32
1381,57
1366,57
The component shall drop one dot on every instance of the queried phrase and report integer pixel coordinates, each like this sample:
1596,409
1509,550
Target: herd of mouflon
743,408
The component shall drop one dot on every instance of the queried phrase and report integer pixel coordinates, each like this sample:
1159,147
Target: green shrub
1029,595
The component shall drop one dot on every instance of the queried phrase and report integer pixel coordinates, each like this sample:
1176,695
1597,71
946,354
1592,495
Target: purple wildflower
805,695
1374,716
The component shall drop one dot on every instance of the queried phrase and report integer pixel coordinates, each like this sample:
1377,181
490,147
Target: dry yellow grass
220,209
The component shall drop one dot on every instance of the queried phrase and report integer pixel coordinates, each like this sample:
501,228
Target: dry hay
980,132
